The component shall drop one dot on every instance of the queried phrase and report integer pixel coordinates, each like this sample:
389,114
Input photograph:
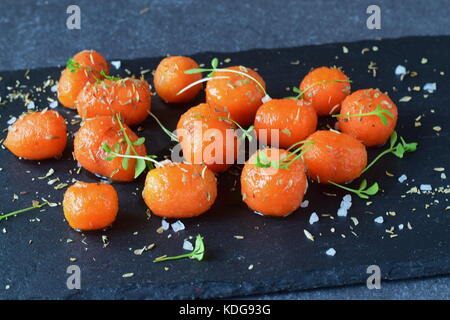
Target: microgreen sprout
262,161
300,93
142,162
397,149
72,65
363,191
171,135
383,114
246,133
197,253
214,68
4,216
112,78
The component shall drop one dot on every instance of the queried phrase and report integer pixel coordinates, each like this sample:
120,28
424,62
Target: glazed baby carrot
207,136
273,190
180,190
292,119
334,157
236,93
325,88
170,78
368,115
89,151
90,206
129,97
37,135
85,67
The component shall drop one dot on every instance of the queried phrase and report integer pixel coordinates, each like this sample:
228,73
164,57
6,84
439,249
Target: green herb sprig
363,191
112,78
214,68
198,252
398,149
379,111
262,161
171,135
4,216
142,162
246,133
72,65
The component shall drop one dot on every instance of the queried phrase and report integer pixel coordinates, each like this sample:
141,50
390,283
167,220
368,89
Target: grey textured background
34,34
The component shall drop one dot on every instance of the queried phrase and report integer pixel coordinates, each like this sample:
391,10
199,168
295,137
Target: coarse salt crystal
165,225
331,252
11,120
347,198
53,104
402,178
443,176
54,88
304,204
266,98
430,87
400,70
345,205
342,212
313,218
177,226
116,64
31,105
425,187
379,219
400,226
187,245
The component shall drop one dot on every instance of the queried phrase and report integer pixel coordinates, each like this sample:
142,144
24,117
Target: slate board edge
220,290
213,53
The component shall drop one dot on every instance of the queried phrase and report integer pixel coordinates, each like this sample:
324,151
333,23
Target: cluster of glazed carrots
273,180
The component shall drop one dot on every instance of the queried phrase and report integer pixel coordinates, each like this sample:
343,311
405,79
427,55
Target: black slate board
282,258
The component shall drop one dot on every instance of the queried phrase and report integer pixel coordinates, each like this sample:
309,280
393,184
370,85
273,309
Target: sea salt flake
342,212
425,187
345,205
331,252
177,226
402,178
31,105
401,226
116,64
266,98
347,198
313,218
54,88
11,120
400,70
165,225
430,87
187,245
379,219
304,204
53,104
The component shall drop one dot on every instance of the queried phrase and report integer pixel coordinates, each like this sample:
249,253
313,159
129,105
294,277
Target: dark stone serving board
281,256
